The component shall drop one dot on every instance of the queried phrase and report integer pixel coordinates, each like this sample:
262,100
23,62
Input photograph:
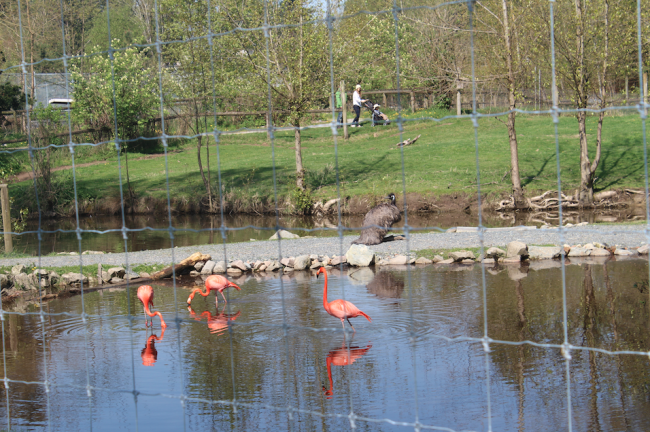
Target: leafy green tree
297,59
126,28
122,98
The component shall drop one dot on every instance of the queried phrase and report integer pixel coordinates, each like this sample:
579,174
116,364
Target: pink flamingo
216,323
145,294
342,357
341,309
149,353
216,283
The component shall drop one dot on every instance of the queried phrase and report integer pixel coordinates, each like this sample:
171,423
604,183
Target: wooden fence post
344,100
100,279
385,104
412,101
458,101
6,218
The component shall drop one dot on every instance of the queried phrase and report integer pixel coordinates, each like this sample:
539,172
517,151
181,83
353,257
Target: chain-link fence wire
63,90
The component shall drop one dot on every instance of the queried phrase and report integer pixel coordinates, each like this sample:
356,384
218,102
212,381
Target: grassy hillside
442,161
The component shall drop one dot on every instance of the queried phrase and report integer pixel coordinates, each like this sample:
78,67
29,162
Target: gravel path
622,235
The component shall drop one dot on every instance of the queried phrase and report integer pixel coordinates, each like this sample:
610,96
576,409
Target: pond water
152,231
202,375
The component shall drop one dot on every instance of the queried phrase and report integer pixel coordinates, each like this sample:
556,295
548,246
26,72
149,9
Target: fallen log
183,265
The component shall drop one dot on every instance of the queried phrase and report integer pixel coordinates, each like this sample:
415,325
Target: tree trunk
517,191
300,172
585,190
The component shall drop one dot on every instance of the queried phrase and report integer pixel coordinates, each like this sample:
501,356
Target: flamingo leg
348,319
224,297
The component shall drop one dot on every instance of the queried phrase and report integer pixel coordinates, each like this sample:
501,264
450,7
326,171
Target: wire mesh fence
284,44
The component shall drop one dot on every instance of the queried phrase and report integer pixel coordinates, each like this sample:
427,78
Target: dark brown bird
384,216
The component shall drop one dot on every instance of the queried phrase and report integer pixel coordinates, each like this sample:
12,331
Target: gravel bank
621,235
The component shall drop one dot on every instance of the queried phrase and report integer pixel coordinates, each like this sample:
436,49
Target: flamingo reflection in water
149,353
218,323
342,357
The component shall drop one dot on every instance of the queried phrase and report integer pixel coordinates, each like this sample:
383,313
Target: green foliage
302,200
136,92
126,29
11,97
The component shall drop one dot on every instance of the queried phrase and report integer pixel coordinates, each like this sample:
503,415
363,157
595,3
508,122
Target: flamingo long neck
325,304
148,312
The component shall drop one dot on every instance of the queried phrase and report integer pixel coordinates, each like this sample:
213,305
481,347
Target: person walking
339,105
356,104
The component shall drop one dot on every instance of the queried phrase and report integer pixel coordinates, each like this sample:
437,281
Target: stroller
377,116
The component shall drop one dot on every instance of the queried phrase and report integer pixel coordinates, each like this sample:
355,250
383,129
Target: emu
383,215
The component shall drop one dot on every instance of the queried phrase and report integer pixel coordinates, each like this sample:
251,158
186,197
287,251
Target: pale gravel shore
621,235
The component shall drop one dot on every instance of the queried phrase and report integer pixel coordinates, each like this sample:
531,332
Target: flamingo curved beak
234,286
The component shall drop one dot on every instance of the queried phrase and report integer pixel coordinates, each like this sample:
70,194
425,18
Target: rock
89,252
115,280
22,282
336,260
567,249
589,246
74,278
544,252
286,262
219,268
398,260
360,256
194,273
643,250
239,264
283,235
199,266
261,268
598,252
116,272
516,248
234,271
5,281
468,261
313,257
273,266
462,255
257,265
208,267
488,261
301,262
145,275
512,260
288,269
447,261
582,224
423,260
18,269
105,276
579,252
316,265
437,259
623,252
325,260
495,252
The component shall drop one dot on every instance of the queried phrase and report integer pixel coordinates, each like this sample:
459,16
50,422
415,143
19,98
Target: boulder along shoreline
520,246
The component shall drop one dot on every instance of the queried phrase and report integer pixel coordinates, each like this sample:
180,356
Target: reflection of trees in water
605,310
387,284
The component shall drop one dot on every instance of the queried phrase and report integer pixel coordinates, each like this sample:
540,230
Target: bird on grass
377,221
145,294
341,309
214,283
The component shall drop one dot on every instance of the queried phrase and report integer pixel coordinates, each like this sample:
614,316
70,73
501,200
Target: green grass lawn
442,161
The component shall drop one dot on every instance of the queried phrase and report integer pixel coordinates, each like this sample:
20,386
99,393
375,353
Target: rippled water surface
285,364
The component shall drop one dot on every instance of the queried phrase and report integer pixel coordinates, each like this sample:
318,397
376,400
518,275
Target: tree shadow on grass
608,170
529,179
